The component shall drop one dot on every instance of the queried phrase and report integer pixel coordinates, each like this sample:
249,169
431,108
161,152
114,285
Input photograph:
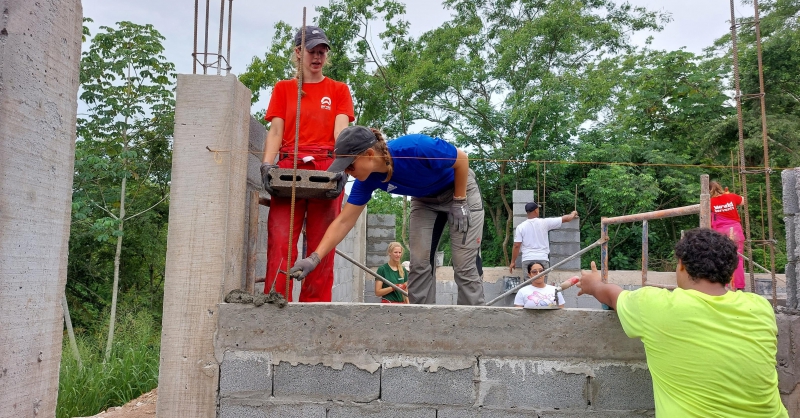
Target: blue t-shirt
423,166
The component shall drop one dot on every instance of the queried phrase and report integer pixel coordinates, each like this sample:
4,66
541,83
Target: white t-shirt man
532,297
533,234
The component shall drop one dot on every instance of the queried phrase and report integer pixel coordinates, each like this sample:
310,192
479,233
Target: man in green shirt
710,351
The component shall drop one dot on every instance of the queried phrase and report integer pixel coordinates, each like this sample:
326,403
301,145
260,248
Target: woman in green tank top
395,273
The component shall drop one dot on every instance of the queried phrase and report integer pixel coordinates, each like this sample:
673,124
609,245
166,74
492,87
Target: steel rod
205,49
768,171
523,284
228,53
645,251
369,270
219,42
194,50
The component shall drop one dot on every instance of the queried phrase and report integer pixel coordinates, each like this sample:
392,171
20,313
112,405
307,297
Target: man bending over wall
711,352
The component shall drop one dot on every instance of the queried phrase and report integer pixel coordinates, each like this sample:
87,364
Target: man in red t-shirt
725,220
326,108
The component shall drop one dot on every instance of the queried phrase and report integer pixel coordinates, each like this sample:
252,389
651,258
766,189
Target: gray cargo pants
427,221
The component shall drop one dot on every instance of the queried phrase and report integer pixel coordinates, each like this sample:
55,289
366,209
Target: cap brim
316,42
341,163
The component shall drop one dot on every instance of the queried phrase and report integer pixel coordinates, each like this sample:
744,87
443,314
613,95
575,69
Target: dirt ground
141,407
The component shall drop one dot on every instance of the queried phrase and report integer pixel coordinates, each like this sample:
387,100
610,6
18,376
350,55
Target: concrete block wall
325,360
380,232
791,211
348,279
564,241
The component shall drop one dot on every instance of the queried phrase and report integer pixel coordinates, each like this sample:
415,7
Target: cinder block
574,264
380,410
254,172
624,387
319,382
310,184
519,209
788,364
792,289
417,384
518,219
374,220
374,260
532,384
381,232
790,191
564,248
523,196
588,302
562,235
790,222
574,224
256,137
237,408
245,371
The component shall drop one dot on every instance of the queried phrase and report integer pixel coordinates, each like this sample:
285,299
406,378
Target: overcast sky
695,25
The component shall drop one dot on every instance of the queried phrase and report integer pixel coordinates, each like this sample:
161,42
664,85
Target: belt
287,154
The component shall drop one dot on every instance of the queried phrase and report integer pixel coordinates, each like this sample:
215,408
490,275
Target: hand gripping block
310,184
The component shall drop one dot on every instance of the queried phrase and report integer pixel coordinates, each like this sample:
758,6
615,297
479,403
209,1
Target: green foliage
96,387
122,171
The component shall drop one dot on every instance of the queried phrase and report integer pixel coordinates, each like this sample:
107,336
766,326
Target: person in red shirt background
725,220
326,108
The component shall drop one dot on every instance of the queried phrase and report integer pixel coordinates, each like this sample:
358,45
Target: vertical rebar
742,164
194,50
228,53
205,49
604,250
767,169
296,143
645,251
219,42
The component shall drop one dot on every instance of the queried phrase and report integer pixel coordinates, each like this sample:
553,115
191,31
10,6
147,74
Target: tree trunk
116,270
70,331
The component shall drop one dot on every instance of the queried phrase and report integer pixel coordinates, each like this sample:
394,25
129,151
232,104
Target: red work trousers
318,215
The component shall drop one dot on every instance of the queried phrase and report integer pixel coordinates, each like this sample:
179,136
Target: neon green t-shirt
709,356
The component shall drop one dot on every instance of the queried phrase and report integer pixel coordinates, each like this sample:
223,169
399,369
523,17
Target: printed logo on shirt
325,103
390,187
724,208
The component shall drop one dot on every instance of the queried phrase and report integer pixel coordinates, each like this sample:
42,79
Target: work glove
304,266
266,177
459,215
341,179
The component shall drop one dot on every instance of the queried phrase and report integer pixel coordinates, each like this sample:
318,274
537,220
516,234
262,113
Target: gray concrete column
206,239
791,210
39,77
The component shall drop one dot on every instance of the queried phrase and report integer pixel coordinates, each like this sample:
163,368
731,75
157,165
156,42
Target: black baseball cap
531,206
353,140
314,36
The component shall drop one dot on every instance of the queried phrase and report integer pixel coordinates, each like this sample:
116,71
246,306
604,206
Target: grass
131,370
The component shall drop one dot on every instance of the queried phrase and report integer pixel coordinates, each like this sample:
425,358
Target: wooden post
705,203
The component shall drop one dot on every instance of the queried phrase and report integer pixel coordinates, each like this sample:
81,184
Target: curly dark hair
708,255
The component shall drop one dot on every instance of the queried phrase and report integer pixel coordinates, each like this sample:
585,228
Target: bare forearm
606,293
273,144
461,168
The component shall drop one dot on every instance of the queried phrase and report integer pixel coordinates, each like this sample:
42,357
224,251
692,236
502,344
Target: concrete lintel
321,329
